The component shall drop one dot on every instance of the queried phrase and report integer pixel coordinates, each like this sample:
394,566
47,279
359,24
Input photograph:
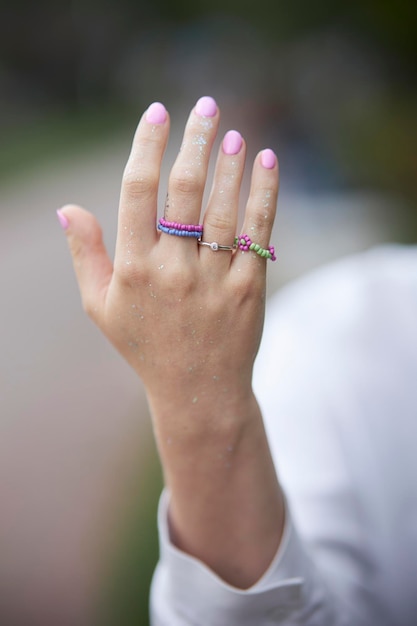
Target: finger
220,218
92,264
139,194
188,175
260,208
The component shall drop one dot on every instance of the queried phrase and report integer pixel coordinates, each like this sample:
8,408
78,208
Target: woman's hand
188,319
179,312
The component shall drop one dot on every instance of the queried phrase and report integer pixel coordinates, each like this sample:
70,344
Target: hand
189,321
178,312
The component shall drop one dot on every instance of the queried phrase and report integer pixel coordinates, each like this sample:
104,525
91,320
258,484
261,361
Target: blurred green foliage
60,59
62,136
127,578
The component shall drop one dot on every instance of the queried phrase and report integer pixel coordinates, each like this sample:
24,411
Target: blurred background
331,87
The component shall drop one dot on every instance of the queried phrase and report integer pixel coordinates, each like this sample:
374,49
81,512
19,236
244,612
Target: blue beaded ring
178,232
181,230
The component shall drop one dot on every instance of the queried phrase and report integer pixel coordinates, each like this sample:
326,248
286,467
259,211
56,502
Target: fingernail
206,107
268,159
63,220
156,113
232,142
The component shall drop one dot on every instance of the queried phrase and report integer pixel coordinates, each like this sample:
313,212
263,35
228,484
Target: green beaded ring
244,242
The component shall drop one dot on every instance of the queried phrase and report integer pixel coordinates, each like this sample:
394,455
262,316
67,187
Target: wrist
195,422
218,400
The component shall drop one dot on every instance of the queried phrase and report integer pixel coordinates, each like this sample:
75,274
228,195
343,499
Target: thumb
92,264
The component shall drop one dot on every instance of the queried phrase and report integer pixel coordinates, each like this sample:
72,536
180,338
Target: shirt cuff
186,591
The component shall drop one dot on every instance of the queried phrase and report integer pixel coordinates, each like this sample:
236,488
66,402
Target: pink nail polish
156,113
232,142
206,107
268,159
63,220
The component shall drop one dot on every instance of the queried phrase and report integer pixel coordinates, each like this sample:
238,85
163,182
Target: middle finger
188,175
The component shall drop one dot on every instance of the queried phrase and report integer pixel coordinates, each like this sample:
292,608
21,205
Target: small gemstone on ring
214,246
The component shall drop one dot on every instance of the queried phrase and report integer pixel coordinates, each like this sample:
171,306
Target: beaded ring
244,242
181,230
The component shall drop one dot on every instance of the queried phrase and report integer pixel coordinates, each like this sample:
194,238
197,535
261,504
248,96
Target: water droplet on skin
161,267
195,400
128,262
216,378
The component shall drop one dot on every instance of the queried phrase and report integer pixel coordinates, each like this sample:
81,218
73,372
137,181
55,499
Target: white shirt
336,378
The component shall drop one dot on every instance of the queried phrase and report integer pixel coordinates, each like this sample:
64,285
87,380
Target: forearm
226,505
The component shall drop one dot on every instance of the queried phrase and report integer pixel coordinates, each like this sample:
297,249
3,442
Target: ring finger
222,209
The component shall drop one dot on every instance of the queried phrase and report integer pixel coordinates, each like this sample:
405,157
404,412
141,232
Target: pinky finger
261,206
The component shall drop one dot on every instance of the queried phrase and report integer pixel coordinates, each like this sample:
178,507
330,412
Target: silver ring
215,246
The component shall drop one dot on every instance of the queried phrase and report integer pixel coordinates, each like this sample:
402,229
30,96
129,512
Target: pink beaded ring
181,230
244,243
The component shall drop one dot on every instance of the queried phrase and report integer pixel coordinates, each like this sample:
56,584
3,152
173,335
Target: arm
189,321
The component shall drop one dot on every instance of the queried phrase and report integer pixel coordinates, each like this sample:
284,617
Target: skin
189,321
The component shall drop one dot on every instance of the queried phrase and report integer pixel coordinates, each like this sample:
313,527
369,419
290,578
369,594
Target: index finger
136,232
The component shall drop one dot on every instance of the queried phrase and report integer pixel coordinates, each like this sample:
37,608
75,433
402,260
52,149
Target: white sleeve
185,592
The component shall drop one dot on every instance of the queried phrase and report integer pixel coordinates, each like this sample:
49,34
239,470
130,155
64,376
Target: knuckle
185,181
263,204
138,185
128,273
219,221
248,287
181,280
